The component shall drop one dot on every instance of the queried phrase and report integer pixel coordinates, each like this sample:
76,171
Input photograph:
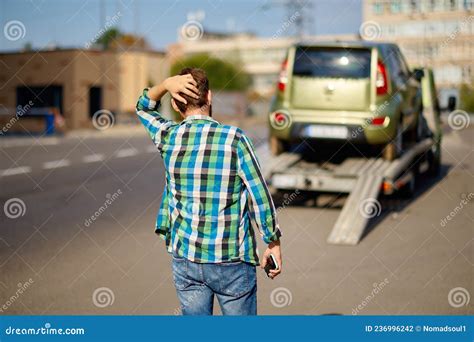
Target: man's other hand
273,248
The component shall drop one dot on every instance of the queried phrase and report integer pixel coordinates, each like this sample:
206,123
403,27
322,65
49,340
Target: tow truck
364,179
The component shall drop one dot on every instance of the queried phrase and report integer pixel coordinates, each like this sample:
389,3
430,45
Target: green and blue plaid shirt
214,188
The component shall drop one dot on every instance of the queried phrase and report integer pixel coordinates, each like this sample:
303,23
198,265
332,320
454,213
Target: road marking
92,158
151,149
16,171
128,152
20,142
54,164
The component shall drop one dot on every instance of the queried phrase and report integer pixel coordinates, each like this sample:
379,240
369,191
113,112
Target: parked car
362,92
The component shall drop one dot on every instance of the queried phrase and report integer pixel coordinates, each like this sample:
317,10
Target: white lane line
92,158
15,171
151,149
54,164
128,152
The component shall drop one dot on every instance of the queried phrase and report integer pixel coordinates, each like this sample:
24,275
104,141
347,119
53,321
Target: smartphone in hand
272,264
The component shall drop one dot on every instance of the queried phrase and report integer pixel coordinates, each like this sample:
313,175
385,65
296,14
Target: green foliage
222,75
108,37
466,94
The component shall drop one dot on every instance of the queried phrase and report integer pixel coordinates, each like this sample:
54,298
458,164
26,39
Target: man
214,187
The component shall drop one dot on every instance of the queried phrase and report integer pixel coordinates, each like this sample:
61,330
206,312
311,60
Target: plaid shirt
213,189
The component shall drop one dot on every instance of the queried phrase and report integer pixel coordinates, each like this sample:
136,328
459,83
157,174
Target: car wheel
409,189
394,148
277,146
434,160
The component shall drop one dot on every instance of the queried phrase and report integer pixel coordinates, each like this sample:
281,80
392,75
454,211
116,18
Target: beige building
78,82
436,33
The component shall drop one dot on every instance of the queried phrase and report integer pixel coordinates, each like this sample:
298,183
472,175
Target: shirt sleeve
163,225
262,203
157,125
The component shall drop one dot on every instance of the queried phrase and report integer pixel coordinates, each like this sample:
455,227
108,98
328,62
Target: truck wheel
434,160
394,148
409,189
277,146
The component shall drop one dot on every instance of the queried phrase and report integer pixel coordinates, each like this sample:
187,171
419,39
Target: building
260,58
78,82
435,33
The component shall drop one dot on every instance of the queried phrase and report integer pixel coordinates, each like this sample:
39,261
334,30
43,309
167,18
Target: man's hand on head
273,248
184,84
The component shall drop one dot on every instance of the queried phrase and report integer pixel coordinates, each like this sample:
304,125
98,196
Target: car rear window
332,62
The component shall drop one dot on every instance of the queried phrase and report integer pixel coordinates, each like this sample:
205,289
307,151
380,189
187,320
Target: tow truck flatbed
362,178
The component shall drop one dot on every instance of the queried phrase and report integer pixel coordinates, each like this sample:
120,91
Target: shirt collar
199,117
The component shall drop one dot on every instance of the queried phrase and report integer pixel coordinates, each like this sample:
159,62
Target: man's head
202,105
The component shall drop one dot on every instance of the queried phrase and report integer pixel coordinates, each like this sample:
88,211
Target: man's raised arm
148,103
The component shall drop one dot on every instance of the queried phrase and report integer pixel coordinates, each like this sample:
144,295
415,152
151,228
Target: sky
75,23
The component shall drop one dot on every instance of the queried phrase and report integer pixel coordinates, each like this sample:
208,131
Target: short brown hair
200,77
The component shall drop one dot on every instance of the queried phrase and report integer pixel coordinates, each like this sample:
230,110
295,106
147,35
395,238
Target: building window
414,5
467,5
431,5
395,6
452,5
378,7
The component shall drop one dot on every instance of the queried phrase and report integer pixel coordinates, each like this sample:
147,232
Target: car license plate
326,131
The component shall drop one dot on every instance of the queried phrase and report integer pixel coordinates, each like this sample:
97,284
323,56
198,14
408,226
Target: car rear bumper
363,133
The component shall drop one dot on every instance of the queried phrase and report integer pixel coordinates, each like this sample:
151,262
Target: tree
108,37
114,39
222,75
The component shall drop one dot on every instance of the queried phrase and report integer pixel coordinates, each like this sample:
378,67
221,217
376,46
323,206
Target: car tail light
378,121
283,77
280,119
381,83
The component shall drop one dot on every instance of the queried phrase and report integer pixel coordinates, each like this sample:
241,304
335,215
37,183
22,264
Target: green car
361,92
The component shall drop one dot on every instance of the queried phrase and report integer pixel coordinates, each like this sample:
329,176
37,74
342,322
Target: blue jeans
233,283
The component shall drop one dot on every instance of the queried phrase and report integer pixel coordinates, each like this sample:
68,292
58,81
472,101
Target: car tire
394,148
434,160
409,189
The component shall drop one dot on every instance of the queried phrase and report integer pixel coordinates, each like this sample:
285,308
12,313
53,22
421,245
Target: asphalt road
65,262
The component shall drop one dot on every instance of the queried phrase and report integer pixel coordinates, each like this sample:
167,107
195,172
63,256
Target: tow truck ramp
362,178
